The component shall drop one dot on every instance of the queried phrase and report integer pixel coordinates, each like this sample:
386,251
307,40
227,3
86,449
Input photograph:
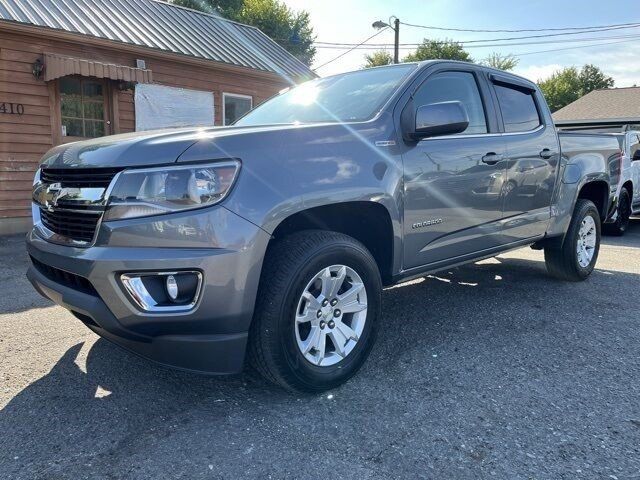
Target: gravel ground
491,370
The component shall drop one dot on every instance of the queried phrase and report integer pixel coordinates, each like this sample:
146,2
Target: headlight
152,191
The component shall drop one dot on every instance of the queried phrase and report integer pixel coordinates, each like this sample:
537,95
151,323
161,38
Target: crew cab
272,239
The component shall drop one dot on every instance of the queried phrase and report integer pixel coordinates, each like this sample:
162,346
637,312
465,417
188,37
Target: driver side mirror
444,118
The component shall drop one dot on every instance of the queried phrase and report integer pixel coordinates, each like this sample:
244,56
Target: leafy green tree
436,49
501,62
592,78
292,30
567,85
378,59
561,88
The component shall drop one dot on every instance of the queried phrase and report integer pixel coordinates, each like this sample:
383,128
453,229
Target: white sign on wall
159,106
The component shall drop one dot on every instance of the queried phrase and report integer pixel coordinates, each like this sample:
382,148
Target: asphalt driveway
492,370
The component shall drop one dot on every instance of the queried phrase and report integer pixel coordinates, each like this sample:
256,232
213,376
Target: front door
85,109
453,184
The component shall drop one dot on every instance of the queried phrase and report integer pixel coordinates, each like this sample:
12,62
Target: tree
501,62
592,78
436,49
569,84
378,59
561,88
292,30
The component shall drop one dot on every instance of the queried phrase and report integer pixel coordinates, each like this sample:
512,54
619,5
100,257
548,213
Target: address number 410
12,108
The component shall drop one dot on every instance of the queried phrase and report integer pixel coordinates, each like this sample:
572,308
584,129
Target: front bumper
210,338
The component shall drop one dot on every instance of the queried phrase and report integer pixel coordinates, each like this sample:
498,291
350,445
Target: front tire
317,312
576,257
621,224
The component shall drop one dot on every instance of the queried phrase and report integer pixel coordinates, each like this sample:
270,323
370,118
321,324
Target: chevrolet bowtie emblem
55,192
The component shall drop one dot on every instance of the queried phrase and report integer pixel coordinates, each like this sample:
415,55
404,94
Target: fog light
163,291
172,287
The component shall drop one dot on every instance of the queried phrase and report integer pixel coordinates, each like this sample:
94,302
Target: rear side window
519,111
455,86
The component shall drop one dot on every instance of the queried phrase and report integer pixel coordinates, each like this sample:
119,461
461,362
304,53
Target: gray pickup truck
272,239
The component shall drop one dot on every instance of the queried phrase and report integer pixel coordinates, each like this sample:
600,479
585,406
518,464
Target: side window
455,86
519,111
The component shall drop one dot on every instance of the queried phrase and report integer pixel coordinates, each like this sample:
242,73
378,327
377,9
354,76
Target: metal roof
613,105
161,26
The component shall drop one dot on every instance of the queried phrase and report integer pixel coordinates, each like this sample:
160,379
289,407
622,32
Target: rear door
532,151
453,184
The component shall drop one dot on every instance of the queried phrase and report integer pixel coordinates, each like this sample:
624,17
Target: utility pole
379,24
396,48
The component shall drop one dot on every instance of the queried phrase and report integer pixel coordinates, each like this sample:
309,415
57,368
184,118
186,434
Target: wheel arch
369,222
598,192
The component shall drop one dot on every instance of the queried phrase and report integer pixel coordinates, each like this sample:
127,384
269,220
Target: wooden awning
57,66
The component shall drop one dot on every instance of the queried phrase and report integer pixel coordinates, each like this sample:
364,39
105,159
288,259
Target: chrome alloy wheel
330,315
586,241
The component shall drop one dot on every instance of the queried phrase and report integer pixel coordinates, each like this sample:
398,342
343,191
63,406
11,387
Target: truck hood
156,147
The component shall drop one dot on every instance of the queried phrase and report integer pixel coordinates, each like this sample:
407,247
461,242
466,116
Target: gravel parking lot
492,370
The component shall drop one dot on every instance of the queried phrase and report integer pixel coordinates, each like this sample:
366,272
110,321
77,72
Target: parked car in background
625,176
628,192
274,237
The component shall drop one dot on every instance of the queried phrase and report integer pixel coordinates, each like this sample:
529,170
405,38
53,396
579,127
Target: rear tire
291,308
621,224
576,257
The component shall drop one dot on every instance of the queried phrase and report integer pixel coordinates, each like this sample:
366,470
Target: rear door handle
546,154
491,158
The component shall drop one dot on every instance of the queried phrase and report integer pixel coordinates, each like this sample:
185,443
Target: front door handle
546,154
491,158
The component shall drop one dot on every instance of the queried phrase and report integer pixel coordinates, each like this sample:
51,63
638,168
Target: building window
82,107
235,106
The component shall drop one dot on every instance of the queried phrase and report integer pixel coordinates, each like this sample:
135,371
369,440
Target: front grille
67,279
76,216
79,177
79,226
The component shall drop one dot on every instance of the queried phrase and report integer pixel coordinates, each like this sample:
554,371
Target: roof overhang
598,121
37,31
57,66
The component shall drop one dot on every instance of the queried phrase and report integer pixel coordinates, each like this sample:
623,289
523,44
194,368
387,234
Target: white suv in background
632,151
628,193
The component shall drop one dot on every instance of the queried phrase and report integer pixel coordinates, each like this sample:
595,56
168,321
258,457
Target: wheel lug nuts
334,302
325,302
319,314
322,325
332,324
337,313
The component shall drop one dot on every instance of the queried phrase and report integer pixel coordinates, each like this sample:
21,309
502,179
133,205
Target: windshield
350,97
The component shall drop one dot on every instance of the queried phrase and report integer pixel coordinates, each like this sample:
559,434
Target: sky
349,21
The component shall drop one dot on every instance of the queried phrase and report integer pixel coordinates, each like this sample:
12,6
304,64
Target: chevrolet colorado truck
272,239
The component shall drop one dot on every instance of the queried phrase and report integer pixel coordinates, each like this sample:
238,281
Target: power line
410,46
570,48
522,30
504,39
356,46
